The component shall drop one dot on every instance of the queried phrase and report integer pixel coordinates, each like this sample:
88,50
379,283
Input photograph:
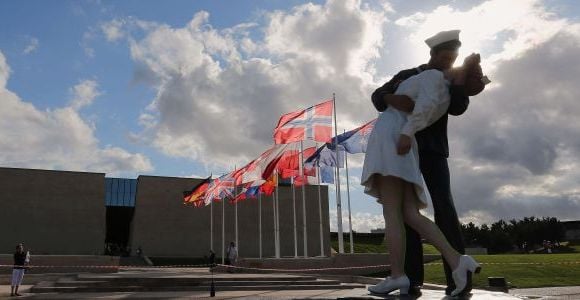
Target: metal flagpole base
212,265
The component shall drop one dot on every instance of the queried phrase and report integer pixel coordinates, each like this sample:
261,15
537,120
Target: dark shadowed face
443,59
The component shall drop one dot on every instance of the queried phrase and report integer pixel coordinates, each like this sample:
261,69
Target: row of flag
284,158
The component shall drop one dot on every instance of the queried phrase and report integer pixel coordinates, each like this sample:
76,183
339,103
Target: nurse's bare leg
391,195
425,227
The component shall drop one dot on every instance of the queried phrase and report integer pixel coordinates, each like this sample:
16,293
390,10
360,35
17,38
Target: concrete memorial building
81,213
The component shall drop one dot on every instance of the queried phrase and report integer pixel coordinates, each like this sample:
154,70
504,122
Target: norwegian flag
220,188
313,123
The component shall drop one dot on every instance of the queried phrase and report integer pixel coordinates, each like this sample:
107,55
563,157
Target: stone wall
52,212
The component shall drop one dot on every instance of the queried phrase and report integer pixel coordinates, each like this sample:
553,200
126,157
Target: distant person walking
211,260
21,259
232,256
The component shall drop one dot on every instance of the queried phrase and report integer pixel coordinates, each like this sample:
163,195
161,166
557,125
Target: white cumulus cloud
220,93
58,138
84,93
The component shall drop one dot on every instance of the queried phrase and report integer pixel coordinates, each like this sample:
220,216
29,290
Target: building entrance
119,220
120,196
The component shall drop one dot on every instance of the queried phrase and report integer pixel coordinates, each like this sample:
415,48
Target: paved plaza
359,293
155,281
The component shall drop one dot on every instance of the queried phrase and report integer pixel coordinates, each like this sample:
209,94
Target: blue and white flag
354,141
326,157
327,175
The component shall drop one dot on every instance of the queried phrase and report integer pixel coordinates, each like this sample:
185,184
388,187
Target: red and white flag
305,180
313,123
258,169
289,163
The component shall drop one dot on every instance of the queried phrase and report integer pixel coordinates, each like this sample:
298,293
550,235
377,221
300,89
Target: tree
504,236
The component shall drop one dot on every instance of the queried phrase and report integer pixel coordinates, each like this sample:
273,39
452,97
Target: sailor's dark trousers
436,173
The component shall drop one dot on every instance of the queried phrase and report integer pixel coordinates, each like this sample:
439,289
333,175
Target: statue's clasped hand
404,144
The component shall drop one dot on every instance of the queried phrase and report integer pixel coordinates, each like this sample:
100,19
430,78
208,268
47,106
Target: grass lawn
520,270
374,246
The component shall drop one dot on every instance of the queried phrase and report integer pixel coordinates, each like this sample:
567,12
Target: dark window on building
120,192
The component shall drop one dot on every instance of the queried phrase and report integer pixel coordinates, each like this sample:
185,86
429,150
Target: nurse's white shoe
390,284
466,265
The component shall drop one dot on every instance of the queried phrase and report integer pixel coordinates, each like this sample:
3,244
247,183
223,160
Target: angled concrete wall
52,212
163,226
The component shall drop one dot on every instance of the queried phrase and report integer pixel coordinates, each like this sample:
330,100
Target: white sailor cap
442,37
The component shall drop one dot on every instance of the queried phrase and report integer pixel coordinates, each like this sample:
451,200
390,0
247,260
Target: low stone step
79,283
268,283
203,275
190,280
55,289
87,283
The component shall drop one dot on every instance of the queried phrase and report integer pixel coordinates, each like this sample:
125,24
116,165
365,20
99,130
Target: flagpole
337,183
274,222
236,209
260,221
348,197
320,211
277,217
294,212
223,231
211,226
301,172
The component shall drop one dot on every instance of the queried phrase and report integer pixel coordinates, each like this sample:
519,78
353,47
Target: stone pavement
549,293
359,293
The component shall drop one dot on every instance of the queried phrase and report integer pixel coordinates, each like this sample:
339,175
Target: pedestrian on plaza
20,262
211,259
231,256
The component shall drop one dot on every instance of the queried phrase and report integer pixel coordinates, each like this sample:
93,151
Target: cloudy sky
189,88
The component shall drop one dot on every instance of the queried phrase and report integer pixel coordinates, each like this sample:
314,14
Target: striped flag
260,168
197,194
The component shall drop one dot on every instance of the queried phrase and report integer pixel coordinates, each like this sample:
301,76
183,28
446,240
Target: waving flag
289,163
354,141
220,188
327,175
249,191
313,123
269,186
197,193
305,180
257,169
324,156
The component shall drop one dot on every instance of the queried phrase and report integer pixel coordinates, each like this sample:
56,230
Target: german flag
196,195
269,186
